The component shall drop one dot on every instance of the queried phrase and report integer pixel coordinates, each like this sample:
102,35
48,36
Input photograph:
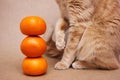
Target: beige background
11,13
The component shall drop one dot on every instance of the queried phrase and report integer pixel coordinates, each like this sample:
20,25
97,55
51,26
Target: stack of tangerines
33,46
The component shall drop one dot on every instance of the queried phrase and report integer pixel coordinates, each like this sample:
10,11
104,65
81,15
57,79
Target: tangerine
33,46
33,25
34,66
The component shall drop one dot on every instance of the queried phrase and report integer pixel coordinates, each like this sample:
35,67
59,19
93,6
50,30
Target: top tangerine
33,25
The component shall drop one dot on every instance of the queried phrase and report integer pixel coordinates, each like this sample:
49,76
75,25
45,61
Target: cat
87,35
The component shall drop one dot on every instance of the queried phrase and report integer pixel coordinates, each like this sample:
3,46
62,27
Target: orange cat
87,34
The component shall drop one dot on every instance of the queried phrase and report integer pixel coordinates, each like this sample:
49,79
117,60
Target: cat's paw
60,44
77,65
61,66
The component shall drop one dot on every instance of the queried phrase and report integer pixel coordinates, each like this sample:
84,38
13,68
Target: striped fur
88,34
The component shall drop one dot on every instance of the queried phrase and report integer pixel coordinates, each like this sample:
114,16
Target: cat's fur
87,34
